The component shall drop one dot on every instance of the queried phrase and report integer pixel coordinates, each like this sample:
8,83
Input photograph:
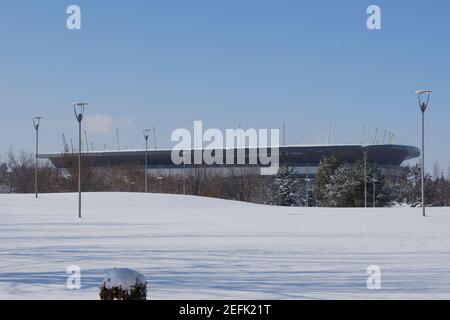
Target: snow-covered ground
200,248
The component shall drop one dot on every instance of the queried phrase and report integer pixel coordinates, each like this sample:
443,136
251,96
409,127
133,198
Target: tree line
337,183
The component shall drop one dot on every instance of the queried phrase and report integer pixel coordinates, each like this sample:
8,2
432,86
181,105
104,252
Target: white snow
124,278
201,248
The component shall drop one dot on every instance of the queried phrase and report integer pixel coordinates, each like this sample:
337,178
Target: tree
346,187
326,169
342,184
90,181
286,192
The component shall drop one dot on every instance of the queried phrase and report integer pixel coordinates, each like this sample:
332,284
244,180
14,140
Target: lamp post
424,98
146,135
374,181
9,171
78,109
184,173
307,180
410,183
160,179
365,179
36,124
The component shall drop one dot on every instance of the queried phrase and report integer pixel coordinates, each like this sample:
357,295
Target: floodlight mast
36,124
78,109
423,98
146,136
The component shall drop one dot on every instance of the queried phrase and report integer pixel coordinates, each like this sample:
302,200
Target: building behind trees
334,182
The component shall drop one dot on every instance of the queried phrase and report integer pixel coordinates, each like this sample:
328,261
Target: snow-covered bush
123,284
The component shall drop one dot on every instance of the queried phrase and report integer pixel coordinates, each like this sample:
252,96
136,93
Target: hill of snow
200,248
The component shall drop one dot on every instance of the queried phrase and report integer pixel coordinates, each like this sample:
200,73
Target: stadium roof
294,155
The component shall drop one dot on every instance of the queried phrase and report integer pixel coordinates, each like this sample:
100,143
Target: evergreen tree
286,192
326,169
342,184
346,187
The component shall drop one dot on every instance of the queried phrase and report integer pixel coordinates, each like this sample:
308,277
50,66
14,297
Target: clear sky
255,63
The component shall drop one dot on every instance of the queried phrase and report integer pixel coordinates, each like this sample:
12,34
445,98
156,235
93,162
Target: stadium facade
304,158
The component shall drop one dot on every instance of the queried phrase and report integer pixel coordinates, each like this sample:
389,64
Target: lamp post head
146,133
37,122
78,108
424,97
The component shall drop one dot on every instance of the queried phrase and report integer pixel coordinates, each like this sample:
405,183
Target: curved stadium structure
305,158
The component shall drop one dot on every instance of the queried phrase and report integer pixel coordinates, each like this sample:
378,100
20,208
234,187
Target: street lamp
184,172
307,180
9,171
146,135
365,179
36,124
374,186
411,180
424,98
78,109
160,179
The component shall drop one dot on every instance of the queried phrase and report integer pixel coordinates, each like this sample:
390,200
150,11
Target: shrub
123,284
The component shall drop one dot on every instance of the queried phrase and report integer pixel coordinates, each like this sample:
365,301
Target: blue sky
255,62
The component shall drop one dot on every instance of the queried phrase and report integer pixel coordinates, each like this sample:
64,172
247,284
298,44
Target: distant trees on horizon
337,184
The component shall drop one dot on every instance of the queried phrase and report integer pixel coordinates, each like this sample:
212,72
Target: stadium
304,158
